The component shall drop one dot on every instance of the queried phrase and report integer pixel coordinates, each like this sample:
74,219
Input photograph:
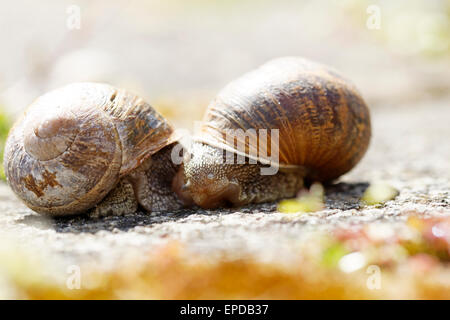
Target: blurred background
178,54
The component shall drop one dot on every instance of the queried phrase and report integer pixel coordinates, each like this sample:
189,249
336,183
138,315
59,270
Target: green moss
332,254
379,193
5,124
307,201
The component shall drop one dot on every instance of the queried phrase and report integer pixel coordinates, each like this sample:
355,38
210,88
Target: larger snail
90,146
323,128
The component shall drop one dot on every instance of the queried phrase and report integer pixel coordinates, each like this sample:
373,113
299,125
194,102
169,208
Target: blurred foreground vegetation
369,262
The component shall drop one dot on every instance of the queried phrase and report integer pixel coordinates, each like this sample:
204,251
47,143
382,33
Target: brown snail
323,127
90,146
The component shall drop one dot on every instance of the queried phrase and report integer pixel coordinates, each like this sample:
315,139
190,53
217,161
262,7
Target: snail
322,127
91,147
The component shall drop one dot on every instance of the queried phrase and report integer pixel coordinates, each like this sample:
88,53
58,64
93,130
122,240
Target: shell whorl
323,122
48,139
73,144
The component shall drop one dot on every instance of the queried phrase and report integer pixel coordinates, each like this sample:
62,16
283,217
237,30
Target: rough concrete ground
410,150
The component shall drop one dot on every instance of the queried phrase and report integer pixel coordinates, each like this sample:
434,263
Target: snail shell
72,145
323,122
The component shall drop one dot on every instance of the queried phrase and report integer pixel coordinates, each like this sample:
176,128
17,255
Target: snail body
85,146
322,125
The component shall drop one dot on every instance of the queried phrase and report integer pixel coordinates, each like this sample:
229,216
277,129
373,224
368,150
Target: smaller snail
322,125
91,147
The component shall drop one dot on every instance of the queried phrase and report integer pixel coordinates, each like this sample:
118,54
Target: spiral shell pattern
72,145
323,122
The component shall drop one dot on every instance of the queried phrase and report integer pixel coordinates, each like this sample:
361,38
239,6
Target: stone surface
409,150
